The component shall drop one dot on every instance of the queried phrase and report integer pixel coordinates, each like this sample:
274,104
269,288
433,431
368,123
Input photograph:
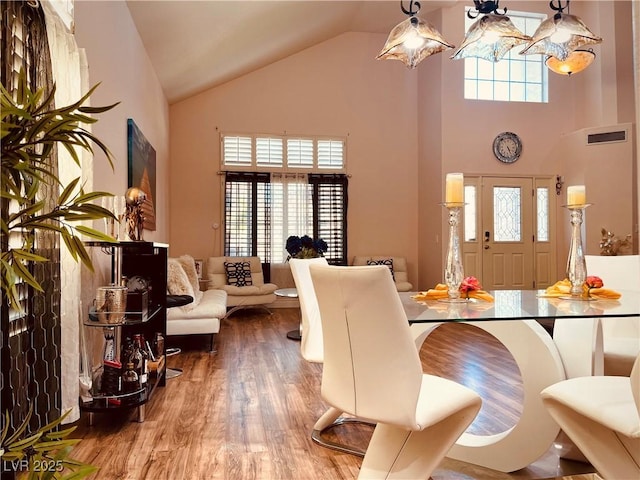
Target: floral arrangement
593,282
468,285
305,247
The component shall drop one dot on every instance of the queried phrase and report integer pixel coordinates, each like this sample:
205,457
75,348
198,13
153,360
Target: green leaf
68,190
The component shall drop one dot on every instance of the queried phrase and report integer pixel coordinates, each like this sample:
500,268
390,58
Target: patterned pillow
386,261
238,273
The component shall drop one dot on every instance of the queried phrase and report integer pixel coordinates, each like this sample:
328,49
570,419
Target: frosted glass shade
560,35
577,61
412,41
490,38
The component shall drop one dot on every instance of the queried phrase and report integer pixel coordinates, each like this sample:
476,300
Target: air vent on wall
607,137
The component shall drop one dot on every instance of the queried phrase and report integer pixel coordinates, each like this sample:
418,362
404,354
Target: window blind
330,214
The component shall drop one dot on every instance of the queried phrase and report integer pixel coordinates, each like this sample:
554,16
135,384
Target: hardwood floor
246,412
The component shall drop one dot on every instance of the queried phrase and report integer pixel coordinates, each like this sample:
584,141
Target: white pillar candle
454,188
576,195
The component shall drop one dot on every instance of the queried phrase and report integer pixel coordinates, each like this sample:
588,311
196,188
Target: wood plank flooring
246,412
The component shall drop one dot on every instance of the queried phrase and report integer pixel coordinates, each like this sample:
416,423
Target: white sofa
200,317
256,293
397,265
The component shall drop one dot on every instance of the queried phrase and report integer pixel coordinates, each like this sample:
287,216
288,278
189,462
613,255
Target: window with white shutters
273,192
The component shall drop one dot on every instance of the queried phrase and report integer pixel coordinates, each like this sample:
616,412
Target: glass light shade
412,41
490,38
559,36
577,61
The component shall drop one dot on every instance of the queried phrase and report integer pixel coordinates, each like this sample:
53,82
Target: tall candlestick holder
576,263
453,271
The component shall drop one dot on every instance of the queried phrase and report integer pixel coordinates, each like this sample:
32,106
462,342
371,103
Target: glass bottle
142,358
130,382
158,344
135,357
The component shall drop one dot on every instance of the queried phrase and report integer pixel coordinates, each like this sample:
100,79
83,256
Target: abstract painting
142,171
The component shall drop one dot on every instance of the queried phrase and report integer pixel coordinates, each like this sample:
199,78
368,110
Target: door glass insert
542,223
506,214
470,213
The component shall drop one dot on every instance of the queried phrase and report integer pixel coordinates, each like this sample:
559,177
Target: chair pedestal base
330,419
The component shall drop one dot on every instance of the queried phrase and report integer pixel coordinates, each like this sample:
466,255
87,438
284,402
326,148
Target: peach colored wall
405,130
431,84
335,88
606,171
118,60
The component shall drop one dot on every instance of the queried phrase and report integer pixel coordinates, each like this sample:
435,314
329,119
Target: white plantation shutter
237,151
330,154
300,152
269,152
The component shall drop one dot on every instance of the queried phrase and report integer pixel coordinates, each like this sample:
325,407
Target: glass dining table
512,318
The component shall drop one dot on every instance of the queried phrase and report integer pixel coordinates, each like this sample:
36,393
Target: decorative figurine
610,245
135,197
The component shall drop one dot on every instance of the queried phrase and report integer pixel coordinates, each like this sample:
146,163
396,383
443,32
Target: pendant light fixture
560,35
412,40
577,61
491,36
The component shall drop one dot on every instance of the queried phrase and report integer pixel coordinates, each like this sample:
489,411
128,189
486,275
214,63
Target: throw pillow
177,280
189,266
238,273
386,261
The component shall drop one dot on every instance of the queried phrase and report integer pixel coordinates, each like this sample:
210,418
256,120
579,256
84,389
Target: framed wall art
142,171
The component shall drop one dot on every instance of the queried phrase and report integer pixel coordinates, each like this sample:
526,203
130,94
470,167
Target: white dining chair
372,370
601,415
620,336
311,348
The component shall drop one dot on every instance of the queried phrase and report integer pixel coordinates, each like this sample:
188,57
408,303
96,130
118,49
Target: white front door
509,240
507,233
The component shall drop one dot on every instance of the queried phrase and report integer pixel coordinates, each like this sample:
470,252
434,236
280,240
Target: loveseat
200,317
242,280
397,266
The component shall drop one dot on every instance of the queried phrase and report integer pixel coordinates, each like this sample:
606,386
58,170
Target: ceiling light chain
486,6
412,4
559,8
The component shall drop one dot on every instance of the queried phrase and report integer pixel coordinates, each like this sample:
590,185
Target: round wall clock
507,147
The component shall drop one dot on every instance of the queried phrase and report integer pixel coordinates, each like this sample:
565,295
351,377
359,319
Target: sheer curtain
291,211
70,74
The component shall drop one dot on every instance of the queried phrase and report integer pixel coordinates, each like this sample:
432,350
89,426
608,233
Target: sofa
242,279
201,316
397,266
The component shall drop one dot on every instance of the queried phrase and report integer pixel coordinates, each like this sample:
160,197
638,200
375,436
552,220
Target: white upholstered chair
372,370
311,348
311,342
601,414
620,336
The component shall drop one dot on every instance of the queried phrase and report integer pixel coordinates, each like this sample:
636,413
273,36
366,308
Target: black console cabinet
146,262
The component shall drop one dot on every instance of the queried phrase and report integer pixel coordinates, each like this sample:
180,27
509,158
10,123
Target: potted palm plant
32,128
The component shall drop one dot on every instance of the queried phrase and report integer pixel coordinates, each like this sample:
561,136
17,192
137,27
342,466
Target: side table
175,301
290,293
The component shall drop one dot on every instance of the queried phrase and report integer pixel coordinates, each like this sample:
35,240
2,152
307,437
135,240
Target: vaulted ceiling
196,45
